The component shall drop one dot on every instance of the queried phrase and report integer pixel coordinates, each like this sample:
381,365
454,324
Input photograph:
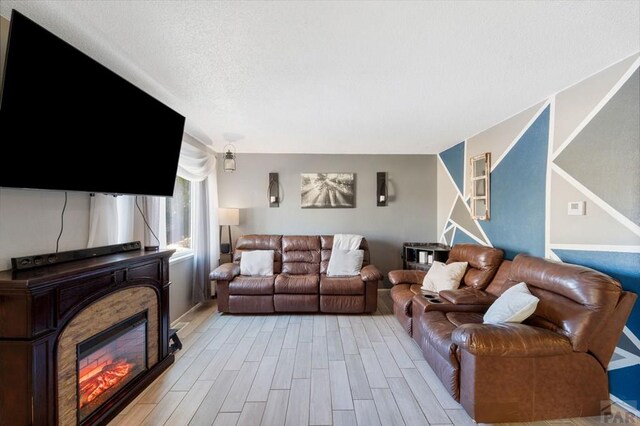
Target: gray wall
409,216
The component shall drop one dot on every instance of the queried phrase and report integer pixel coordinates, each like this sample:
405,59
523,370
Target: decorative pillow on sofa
257,262
345,263
514,305
444,277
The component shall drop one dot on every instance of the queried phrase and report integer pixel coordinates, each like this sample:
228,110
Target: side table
225,258
422,255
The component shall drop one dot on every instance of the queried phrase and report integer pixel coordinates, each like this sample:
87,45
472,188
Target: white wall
30,222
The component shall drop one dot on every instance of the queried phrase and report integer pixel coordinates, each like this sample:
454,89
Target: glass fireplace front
110,360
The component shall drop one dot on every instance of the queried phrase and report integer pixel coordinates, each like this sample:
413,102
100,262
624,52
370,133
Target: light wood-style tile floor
297,370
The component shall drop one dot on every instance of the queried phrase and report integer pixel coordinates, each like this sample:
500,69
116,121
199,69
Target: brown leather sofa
299,283
553,365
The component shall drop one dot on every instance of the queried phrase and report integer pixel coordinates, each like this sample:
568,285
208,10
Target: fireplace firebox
108,361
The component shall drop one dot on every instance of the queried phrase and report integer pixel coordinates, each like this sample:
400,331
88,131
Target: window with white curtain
179,233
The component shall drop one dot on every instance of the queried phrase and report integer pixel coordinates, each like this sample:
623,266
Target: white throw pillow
257,262
514,305
345,263
444,277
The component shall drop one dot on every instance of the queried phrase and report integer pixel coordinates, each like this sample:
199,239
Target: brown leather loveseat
553,365
299,282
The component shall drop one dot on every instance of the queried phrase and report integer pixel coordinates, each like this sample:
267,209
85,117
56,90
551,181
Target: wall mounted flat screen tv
69,123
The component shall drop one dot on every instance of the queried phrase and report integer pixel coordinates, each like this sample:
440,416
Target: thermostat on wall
576,208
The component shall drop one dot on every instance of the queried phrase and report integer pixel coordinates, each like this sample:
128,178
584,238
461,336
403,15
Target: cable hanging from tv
149,248
64,207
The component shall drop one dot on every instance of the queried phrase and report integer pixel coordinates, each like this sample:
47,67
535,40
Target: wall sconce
381,189
273,190
228,218
229,163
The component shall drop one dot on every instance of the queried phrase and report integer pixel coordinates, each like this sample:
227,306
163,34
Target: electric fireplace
108,361
80,340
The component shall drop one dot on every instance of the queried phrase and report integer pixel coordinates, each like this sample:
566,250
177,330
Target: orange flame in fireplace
97,381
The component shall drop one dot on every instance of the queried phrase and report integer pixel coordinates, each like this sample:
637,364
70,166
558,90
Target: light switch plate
576,208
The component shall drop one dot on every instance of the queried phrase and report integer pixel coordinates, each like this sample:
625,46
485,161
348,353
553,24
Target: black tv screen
69,123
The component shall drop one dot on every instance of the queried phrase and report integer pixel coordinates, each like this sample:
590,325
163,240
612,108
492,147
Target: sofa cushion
341,285
342,304
514,305
459,318
257,263
300,254
444,277
345,263
242,304
300,284
483,263
251,285
295,302
436,330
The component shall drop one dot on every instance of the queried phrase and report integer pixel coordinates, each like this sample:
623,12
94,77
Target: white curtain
103,221
115,220
126,219
199,166
154,209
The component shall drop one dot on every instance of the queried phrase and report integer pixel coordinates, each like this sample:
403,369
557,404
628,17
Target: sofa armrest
510,340
370,273
468,296
225,272
406,276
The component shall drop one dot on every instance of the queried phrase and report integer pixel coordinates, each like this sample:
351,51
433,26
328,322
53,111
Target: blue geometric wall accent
461,237
624,384
453,159
518,186
625,267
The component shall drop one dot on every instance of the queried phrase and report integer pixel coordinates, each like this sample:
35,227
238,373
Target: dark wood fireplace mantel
35,307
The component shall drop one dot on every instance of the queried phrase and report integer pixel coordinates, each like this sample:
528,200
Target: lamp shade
229,216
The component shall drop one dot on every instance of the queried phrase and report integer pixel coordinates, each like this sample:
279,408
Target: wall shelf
422,255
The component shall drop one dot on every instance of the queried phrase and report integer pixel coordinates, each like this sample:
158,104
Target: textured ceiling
345,77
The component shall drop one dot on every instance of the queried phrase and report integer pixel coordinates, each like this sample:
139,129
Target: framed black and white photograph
327,190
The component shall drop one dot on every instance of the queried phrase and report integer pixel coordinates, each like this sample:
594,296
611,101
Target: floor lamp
227,217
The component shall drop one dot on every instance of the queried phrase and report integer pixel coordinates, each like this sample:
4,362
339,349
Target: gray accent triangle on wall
626,344
448,236
610,138
597,226
461,216
574,104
